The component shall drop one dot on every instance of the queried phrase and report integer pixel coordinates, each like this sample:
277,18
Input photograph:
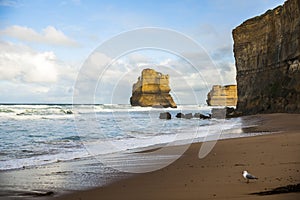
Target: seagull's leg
247,180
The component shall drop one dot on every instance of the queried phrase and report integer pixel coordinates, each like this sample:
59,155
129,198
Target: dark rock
201,116
205,116
222,113
188,116
231,112
180,115
267,59
197,115
218,113
165,115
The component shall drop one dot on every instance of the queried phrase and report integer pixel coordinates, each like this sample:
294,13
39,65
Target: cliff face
222,96
267,55
152,89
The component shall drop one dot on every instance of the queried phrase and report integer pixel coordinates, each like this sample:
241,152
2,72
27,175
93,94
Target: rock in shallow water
180,115
165,115
188,116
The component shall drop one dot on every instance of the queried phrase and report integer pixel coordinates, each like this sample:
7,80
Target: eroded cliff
222,95
152,89
267,55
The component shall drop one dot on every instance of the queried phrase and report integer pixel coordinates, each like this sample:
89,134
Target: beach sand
273,158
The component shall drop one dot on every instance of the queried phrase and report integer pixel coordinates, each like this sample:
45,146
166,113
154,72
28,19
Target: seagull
248,176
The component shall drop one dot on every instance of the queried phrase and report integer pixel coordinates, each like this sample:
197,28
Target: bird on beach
248,176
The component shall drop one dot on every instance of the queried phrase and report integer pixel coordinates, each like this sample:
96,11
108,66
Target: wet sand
273,158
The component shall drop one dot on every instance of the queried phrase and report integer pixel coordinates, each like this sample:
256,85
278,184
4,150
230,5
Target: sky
47,46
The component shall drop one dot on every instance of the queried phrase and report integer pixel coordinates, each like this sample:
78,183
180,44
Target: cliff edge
267,56
152,89
222,96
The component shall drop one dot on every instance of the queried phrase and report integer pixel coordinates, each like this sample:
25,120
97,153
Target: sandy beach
150,100
273,158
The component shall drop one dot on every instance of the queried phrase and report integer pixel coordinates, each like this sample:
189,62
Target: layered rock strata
152,89
222,96
267,55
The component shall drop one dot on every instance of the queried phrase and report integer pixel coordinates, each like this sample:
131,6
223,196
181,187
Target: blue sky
44,43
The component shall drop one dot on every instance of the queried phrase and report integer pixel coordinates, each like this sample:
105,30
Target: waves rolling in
41,134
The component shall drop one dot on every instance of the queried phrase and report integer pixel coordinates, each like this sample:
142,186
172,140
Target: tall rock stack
152,89
267,55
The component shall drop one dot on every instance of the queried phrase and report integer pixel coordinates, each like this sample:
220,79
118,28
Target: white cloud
30,76
18,63
49,35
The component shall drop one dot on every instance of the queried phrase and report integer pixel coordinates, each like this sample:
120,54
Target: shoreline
251,128
229,133
274,158
68,179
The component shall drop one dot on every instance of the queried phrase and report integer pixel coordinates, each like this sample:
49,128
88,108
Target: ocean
105,139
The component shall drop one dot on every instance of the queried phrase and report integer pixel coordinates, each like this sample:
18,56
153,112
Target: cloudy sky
44,44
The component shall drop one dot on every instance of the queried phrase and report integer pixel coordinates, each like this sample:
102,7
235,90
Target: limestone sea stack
152,89
222,95
267,56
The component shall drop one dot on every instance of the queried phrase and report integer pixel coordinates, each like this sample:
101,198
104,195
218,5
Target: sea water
32,135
